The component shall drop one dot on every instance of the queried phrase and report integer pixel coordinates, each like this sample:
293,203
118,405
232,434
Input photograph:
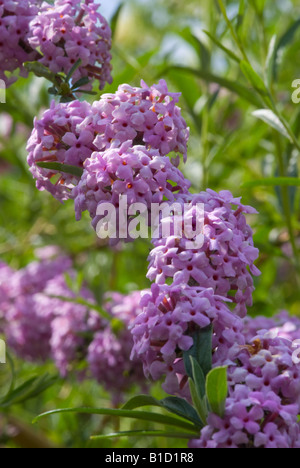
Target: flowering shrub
231,375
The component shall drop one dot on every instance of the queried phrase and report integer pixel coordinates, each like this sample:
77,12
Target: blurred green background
229,148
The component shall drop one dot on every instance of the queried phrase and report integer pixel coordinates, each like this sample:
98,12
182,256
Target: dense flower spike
15,17
56,138
165,328
224,260
264,399
109,353
69,31
146,116
143,176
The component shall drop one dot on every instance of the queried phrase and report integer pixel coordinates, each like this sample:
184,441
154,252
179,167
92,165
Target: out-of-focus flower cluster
57,36
42,319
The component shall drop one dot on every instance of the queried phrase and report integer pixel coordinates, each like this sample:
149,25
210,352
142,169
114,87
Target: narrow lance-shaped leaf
201,351
227,51
286,39
167,434
237,88
175,405
254,79
217,390
138,415
67,169
273,182
270,61
268,116
198,402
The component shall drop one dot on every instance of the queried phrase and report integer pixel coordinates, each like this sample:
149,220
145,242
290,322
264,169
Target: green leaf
201,351
198,402
41,71
268,116
138,415
171,435
269,67
181,408
273,182
221,46
217,390
29,389
83,81
73,69
55,166
198,377
115,19
241,15
285,40
84,91
233,86
175,405
254,79
140,401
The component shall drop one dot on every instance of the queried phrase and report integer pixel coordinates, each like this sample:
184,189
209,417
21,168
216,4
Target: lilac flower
109,353
73,326
165,328
147,116
249,423
69,31
28,327
35,276
15,17
225,262
142,175
56,138
6,275
264,399
283,324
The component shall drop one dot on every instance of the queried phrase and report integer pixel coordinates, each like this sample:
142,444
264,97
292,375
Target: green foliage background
229,149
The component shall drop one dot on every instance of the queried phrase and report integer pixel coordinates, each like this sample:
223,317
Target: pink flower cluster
146,116
122,142
56,138
57,36
264,398
15,17
225,262
143,176
42,320
164,330
69,31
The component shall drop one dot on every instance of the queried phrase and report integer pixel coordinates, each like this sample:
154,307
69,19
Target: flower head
224,262
143,176
69,31
171,315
